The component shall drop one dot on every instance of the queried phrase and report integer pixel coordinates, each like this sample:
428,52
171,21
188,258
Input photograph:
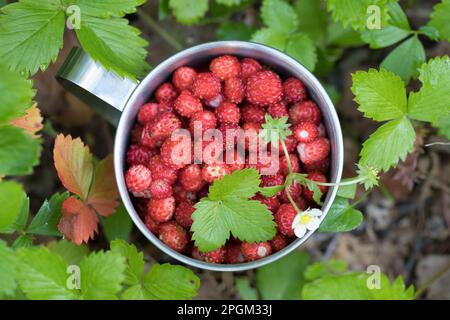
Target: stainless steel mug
119,100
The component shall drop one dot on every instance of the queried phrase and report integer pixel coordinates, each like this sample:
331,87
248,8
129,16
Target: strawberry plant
70,237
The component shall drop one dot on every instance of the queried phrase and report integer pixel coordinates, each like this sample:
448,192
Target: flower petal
315,212
313,224
300,231
296,221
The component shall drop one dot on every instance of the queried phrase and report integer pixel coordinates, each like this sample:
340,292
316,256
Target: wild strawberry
176,153
159,129
203,193
250,131
233,253
249,67
203,120
225,67
147,113
278,242
284,218
187,104
321,131
320,166
206,86
266,164
264,88
272,180
138,178
234,160
211,172
215,256
271,203
196,254
315,176
215,102
291,144
284,167
164,107
277,110
305,111
161,171
191,178
234,90
294,90
161,210
183,214
160,189
151,225
305,132
166,93
255,251
207,151
294,190
252,113
173,235
228,113
138,154
182,195
314,151
183,78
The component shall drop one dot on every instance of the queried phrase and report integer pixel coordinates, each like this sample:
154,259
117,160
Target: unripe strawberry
319,177
183,214
166,93
211,172
187,104
173,235
225,67
234,90
249,67
294,90
161,210
264,88
160,189
138,178
206,86
228,113
183,78
314,151
305,132
305,111
255,251
254,114
215,256
284,218
147,113
191,178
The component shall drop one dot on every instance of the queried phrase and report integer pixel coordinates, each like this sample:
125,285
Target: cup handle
88,80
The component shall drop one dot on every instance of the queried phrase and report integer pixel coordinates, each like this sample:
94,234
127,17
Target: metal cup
119,100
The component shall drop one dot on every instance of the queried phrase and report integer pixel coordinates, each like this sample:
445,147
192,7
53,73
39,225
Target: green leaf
310,184
443,125
23,241
229,2
440,18
381,95
235,31
101,275
22,217
430,32
312,19
164,9
42,274
188,11
406,59
12,198
274,130
115,44
46,220
69,251
354,13
271,38
134,260
16,94
347,191
279,16
341,217
117,225
105,8
302,48
320,269
8,263
31,34
19,151
283,279
432,101
271,191
245,289
389,144
346,37
242,184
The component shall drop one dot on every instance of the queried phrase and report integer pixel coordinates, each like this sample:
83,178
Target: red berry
294,190
183,78
252,113
228,113
305,132
204,120
215,102
136,133
182,195
173,235
208,151
164,107
161,210
187,104
206,86
161,171
277,110
160,189
138,178
151,225
278,242
251,130
255,251
305,111
249,67
196,254
183,214
138,154
215,256
291,144
233,253
159,129
320,166
191,178
234,160
294,90
166,93
176,153
315,176
284,218
271,203
234,90
314,151
211,172
225,67
321,131
230,135
147,113
264,88
284,167
272,180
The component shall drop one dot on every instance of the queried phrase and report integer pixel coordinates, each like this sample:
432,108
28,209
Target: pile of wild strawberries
232,94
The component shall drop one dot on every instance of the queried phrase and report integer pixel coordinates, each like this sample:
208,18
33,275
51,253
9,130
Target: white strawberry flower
307,220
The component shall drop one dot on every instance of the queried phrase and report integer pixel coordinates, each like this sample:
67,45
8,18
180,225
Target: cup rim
123,133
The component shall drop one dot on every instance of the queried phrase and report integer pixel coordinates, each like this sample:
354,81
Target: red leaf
73,162
31,122
103,195
78,223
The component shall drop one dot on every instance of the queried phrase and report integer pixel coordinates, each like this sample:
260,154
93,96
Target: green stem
152,24
289,179
348,182
431,280
286,154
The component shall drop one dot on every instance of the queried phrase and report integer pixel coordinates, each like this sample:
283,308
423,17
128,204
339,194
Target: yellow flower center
305,219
